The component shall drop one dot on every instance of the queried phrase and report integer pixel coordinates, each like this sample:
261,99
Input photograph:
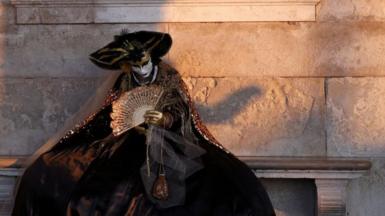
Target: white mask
144,70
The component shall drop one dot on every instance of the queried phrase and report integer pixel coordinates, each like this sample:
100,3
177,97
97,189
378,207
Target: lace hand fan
128,110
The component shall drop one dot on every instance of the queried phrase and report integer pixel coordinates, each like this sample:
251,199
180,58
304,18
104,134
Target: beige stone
269,116
205,50
241,49
31,110
349,49
112,11
351,10
58,50
279,49
355,116
249,116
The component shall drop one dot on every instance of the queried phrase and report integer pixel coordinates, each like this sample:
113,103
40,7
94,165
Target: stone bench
330,176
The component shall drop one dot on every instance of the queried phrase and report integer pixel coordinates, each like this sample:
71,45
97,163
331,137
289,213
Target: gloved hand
158,118
153,117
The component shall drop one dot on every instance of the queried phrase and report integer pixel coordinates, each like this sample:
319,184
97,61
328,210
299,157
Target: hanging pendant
160,188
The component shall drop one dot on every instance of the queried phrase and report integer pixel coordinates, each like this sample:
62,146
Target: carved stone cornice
149,11
331,197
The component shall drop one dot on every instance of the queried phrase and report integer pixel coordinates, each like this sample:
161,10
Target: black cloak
91,172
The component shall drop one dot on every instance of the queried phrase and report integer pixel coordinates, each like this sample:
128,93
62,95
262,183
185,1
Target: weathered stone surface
31,110
291,197
7,15
349,49
6,20
241,49
263,116
279,49
355,116
366,195
351,10
38,12
58,50
58,14
205,49
250,117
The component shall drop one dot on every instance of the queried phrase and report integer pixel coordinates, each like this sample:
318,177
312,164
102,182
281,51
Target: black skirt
104,179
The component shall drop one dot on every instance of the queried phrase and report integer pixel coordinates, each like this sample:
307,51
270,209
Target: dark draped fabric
91,172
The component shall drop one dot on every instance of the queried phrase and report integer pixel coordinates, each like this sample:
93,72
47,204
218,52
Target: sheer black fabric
177,157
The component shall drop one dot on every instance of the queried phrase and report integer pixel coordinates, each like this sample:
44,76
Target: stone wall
263,88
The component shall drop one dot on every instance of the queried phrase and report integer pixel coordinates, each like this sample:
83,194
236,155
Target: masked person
168,165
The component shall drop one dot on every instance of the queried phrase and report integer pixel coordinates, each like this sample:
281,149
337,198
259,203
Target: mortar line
325,114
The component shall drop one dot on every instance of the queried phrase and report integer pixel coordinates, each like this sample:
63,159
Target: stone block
7,15
241,49
31,110
58,50
269,116
250,117
351,10
348,49
116,11
291,49
355,116
55,15
205,49
366,194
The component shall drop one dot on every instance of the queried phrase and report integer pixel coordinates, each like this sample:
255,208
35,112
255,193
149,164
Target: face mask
143,70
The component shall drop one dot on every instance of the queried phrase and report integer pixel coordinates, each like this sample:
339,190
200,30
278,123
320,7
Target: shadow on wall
228,108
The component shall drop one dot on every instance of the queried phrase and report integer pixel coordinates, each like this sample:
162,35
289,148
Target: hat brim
111,55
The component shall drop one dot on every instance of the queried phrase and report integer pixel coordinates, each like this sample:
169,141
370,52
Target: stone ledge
118,11
11,162
307,167
306,163
274,165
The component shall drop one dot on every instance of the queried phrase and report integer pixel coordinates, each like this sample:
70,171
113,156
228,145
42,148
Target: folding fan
128,110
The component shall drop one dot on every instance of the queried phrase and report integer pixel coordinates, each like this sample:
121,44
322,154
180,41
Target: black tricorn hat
135,47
